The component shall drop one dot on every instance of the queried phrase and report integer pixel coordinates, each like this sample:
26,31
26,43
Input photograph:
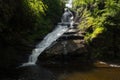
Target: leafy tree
30,19
22,23
100,19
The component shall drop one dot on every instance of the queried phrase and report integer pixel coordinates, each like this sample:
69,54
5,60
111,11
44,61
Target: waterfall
48,40
69,4
45,43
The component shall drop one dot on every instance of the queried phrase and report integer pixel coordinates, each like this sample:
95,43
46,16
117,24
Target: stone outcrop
71,42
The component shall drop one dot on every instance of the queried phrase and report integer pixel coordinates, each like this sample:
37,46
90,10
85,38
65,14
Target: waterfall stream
48,40
45,43
69,4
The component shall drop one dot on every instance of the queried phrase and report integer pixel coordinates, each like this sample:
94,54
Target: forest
35,44
23,23
101,21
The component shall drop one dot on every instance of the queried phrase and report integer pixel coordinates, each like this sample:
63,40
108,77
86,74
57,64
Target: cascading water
45,43
48,40
69,4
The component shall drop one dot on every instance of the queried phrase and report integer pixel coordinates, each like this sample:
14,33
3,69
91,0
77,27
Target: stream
61,72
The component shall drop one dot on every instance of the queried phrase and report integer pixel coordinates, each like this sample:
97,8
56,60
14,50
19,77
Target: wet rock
71,46
70,43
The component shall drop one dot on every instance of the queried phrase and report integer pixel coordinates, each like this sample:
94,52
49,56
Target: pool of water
61,72
95,74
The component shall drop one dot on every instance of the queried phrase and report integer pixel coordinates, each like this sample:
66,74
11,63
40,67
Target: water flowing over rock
49,39
45,43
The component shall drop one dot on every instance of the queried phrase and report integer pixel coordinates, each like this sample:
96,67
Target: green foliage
78,3
28,19
101,21
23,23
54,9
96,17
37,6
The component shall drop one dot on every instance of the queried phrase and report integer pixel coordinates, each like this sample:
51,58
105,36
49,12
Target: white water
110,65
69,4
45,43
